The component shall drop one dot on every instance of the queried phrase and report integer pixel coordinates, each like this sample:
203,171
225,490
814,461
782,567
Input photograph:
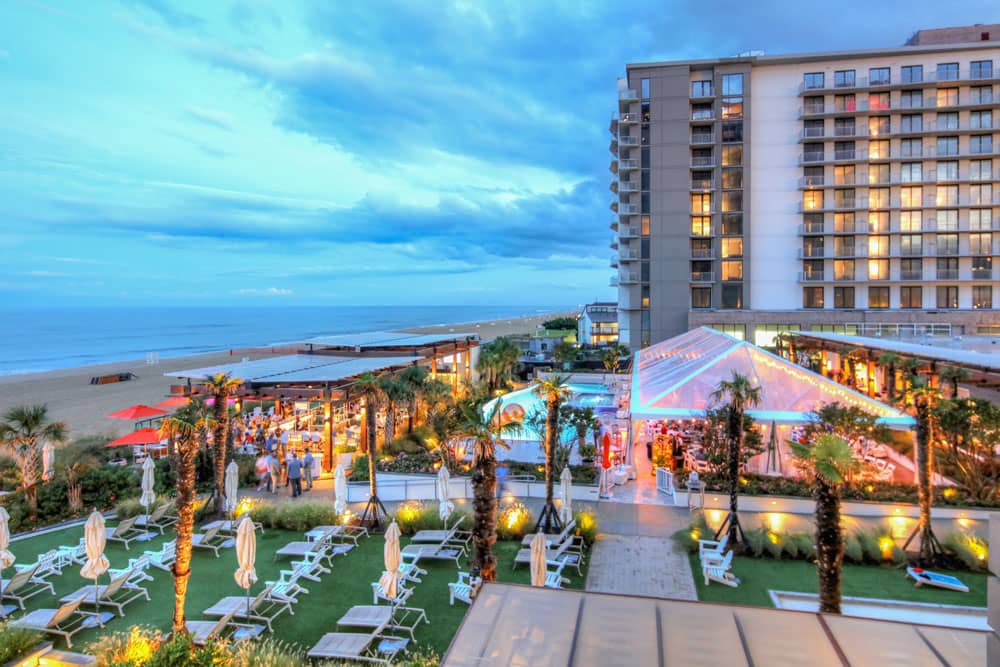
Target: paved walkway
640,565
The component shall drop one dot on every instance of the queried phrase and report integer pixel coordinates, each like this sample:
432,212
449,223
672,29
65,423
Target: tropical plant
23,433
182,428
560,323
498,360
826,462
847,421
970,429
554,390
583,420
221,386
953,375
484,429
414,378
612,357
715,442
395,393
372,389
890,360
565,353
741,395
76,459
923,400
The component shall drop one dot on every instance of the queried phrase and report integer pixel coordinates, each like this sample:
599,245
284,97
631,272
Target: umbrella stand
98,615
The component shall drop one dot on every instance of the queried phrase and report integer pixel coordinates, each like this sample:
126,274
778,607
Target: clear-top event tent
674,379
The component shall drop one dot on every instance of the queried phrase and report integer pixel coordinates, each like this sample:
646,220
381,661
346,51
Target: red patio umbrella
144,436
606,455
172,402
137,412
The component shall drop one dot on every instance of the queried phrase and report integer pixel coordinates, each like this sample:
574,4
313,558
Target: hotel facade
853,192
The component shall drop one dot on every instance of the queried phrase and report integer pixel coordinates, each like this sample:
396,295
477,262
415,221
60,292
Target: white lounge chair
414,553
202,632
402,593
160,519
116,594
65,621
210,539
719,572
311,566
76,554
287,584
460,590
264,608
334,534
125,532
553,577
319,548
164,557
137,568
438,536
24,585
937,579
570,551
378,618
354,646
49,564
552,540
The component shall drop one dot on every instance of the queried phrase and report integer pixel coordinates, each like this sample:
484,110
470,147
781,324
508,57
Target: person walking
307,469
295,475
263,470
275,476
289,454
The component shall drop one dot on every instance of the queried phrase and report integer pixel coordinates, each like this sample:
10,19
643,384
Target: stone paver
640,565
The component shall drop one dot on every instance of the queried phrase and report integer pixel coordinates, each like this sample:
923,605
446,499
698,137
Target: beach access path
72,399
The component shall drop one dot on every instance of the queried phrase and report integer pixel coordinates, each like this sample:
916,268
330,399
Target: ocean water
40,339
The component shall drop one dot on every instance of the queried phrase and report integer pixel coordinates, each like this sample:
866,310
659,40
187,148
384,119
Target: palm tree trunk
484,508
390,425
187,449
372,450
925,468
892,382
219,438
29,479
829,545
735,442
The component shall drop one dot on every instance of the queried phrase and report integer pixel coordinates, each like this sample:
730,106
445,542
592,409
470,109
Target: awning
172,402
137,412
144,436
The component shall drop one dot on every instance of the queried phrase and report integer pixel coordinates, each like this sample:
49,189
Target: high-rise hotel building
855,191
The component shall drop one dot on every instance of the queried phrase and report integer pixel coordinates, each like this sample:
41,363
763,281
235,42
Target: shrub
414,515
687,538
410,443
805,545
774,544
853,551
420,461
267,653
757,540
870,545
359,468
297,517
514,521
971,550
129,508
15,642
586,526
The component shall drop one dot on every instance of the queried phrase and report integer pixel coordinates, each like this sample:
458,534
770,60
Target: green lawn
315,614
759,575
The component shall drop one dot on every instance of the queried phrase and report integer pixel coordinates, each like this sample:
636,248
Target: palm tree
890,360
413,378
827,462
182,428
741,395
507,355
395,393
554,390
221,386
953,375
484,429
583,420
924,399
372,388
23,433
612,357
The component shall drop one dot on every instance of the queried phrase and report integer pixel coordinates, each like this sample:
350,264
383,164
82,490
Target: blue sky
380,152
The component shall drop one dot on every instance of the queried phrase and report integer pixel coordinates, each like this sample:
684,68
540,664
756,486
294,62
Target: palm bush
973,551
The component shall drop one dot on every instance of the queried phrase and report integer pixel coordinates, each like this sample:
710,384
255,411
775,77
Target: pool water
952,616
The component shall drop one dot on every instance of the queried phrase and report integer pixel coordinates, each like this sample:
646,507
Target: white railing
400,488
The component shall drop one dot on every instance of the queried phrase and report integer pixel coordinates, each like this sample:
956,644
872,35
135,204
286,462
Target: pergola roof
965,358
675,379
519,625
297,368
377,339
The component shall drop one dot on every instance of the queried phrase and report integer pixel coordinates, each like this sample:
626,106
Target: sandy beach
72,399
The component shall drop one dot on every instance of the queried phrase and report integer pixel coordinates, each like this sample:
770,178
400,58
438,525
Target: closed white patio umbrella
48,462
445,506
538,569
95,537
246,556
6,557
392,557
148,496
339,490
232,486
566,489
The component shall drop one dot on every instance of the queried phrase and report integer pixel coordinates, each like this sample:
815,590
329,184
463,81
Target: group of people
288,471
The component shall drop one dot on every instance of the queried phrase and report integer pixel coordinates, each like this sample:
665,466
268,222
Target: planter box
32,656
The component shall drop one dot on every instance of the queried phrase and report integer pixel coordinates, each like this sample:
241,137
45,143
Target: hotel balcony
613,147
627,165
702,138
628,277
702,161
628,209
866,132
811,277
812,253
614,261
627,141
614,281
628,255
702,253
628,232
614,242
702,277
947,274
627,186
628,118
930,77
613,167
628,95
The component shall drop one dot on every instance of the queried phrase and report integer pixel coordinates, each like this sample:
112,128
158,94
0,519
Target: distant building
597,324
538,346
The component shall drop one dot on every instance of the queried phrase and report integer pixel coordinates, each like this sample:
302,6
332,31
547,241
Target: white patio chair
712,550
460,590
720,572
164,557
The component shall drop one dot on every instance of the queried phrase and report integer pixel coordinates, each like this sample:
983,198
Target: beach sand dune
83,406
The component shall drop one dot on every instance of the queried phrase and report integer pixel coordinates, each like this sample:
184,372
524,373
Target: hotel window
732,107
644,179
812,200
981,170
947,121
911,244
909,197
701,297
843,297
732,178
732,224
878,125
911,99
878,246
701,89
645,111
843,150
644,251
981,144
644,135
732,131
980,243
701,248
812,223
913,122
844,78
732,84
732,247
981,120
732,156
702,111
912,73
911,172
812,152
701,203
843,175
644,156
700,157
843,246
844,127
843,223
701,271
980,219
732,270
947,221
812,176
879,173
946,97
878,197
878,101
844,198
812,297
947,296
843,269
732,200
911,269
812,128
982,268
981,69
644,202
947,268
845,103
878,297
732,296
813,269
644,86
878,76
947,72
982,296
701,226
911,147
812,247
645,225
909,221
910,297
812,80
981,94
700,180
878,269
813,104
947,171
981,195
878,150
947,244
878,222
946,195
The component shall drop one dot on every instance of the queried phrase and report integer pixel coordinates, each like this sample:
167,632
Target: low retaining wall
398,488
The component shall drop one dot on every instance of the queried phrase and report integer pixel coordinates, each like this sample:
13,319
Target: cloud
244,15
42,273
212,117
169,14
269,291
